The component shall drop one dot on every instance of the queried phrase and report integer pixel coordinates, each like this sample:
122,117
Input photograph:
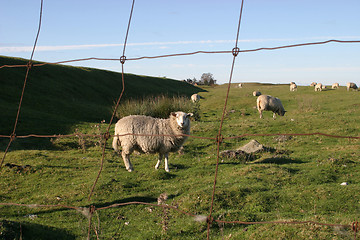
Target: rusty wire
122,61
219,138
235,53
187,54
107,135
29,65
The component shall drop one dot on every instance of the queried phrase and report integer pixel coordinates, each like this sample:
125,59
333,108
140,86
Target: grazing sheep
151,135
335,86
256,93
318,87
351,85
293,87
240,85
195,98
269,103
313,84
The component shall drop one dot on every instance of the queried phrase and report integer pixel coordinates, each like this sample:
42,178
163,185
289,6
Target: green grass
299,181
158,106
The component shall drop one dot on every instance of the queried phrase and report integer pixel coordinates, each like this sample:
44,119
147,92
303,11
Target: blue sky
83,29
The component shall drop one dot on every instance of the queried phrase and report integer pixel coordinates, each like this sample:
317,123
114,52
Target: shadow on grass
278,160
24,230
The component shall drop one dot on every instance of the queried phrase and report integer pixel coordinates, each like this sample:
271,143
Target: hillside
58,96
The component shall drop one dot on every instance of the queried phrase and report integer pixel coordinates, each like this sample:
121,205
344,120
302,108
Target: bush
158,106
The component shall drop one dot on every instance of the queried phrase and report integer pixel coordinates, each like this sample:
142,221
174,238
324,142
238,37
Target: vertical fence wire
219,136
29,65
107,134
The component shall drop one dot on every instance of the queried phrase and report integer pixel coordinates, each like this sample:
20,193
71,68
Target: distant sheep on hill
256,93
335,86
351,85
195,98
151,135
318,87
240,85
269,103
293,87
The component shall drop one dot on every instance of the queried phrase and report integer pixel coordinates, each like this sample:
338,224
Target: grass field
298,181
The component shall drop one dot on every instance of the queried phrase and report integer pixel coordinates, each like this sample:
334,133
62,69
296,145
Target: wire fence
88,212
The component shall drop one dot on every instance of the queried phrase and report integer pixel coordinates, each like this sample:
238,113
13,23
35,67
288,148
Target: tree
207,79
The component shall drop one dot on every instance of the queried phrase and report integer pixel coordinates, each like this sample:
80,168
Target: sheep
318,87
195,98
256,93
293,87
146,134
335,86
351,85
313,84
240,85
269,103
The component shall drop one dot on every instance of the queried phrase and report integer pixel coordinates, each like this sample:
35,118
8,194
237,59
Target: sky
83,29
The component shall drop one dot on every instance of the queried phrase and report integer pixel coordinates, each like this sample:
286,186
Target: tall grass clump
157,106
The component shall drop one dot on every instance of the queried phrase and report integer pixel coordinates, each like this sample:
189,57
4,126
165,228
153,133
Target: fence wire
88,212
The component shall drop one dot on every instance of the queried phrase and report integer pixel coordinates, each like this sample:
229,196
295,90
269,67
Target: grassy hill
58,96
298,179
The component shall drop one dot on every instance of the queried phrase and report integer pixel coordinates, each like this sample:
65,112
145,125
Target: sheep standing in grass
195,98
351,85
335,86
293,87
318,87
151,135
270,103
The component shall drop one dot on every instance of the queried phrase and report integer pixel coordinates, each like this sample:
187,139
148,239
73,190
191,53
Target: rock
252,147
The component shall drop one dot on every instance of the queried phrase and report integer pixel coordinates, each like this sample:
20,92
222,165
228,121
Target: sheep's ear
173,114
190,114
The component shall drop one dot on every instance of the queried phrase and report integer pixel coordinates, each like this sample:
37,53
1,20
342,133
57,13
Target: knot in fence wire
219,138
122,59
92,209
29,64
235,51
106,136
12,136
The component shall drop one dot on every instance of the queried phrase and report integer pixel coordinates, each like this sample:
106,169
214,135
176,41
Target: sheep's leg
126,158
159,161
274,115
167,162
261,116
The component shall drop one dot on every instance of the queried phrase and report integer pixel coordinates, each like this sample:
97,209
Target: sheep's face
182,119
281,112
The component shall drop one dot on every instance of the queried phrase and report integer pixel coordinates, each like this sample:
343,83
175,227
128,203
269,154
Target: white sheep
351,85
240,85
256,93
270,103
195,98
335,86
293,87
318,87
146,134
